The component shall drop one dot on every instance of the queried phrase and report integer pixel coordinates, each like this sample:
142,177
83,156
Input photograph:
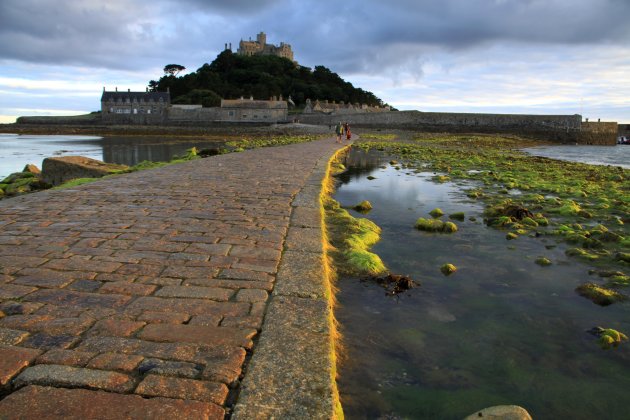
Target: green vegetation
231,76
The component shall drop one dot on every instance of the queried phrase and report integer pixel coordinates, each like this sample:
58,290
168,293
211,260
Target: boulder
57,170
30,168
502,412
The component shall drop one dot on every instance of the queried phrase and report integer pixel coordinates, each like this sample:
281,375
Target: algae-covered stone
363,207
543,262
437,212
58,170
448,269
608,337
457,216
510,236
435,225
599,294
581,253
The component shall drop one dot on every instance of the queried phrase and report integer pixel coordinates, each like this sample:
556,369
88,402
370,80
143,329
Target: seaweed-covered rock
363,207
435,225
57,170
608,337
437,212
448,269
599,294
543,262
457,216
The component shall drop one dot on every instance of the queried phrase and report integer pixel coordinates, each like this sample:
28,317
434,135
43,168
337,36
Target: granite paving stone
139,296
13,360
37,402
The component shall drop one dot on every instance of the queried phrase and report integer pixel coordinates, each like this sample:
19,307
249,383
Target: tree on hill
231,76
173,69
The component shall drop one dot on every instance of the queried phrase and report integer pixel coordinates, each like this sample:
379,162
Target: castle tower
261,38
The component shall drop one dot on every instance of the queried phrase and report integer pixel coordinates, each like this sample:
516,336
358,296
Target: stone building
118,106
326,107
260,47
250,110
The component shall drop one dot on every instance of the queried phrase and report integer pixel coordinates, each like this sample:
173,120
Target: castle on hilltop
260,47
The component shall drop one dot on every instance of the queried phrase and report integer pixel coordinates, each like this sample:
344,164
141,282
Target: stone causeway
196,290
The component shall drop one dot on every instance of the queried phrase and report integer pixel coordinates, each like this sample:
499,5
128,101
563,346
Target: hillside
231,76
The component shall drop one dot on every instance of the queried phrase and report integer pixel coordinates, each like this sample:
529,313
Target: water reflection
18,150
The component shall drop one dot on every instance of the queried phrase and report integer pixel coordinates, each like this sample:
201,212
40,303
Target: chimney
280,98
226,45
103,88
147,89
129,90
230,46
116,88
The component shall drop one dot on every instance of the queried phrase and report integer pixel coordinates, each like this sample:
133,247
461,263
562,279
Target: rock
57,170
502,412
32,169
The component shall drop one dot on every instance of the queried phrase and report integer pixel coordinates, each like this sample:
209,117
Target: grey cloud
347,36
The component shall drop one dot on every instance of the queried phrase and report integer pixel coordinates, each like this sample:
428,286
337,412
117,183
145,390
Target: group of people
341,129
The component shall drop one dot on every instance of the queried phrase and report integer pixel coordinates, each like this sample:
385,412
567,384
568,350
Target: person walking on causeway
339,131
346,128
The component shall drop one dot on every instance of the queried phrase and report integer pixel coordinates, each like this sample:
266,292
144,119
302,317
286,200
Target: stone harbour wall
555,128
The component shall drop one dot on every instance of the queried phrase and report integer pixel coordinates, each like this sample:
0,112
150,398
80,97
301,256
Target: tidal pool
500,330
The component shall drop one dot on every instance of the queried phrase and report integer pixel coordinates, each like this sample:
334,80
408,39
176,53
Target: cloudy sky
503,56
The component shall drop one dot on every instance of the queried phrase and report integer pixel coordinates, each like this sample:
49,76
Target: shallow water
501,330
618,155
18,150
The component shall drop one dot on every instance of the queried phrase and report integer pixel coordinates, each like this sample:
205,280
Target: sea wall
603,133
623,130
556,128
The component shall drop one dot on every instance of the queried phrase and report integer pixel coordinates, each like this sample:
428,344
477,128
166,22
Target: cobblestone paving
141,295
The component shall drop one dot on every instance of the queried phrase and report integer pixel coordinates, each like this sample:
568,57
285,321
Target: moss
599,294
75,183
363,207
543,262
436,213
448,269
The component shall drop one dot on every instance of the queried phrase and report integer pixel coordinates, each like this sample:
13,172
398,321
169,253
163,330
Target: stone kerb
291,374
